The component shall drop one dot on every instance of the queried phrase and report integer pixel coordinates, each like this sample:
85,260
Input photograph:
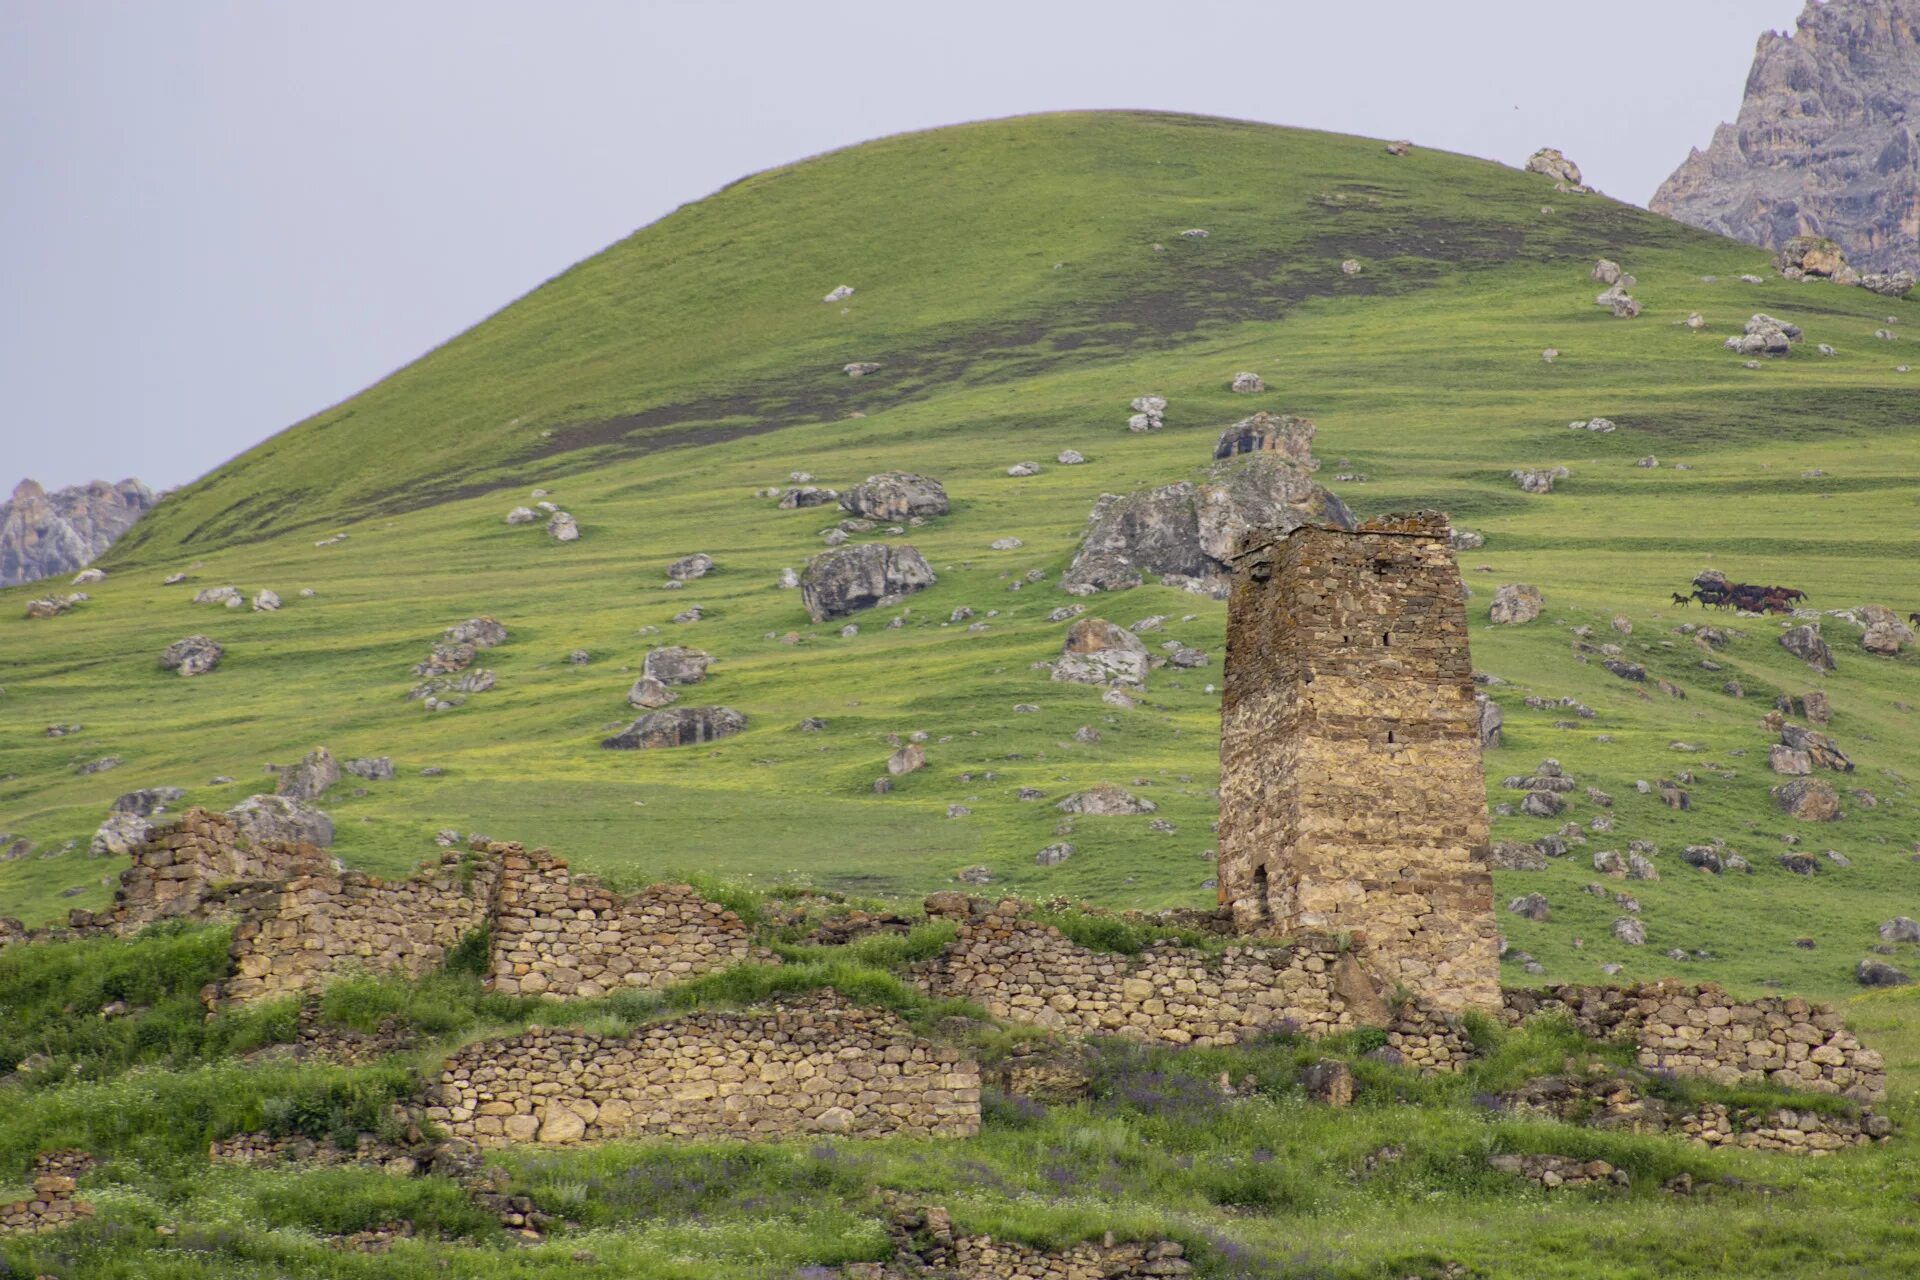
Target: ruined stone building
1351,795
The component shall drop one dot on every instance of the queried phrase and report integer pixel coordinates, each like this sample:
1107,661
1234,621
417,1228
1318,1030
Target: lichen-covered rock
895,496
195,655
1106,800
483,632
1096,651
803,496
1186,532
1550,162
284,819
1808,799
310,778
846,580
676,664
1515,603
677,727
1247,384
650,694
1281,433
688,568
562,527
1804,643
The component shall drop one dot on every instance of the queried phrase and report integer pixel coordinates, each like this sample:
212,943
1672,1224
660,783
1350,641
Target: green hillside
1019,282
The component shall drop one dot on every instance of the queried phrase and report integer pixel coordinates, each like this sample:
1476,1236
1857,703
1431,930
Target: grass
655,387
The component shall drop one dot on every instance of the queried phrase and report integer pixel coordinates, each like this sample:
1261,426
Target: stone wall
557,937
814,1065
1026,970
199,868
316,927
1700,1030
925,1244
1351,796
53,1206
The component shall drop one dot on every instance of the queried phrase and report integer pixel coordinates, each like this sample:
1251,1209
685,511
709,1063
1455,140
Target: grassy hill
1019,282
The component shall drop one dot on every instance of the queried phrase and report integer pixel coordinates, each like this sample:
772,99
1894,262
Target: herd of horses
1715,592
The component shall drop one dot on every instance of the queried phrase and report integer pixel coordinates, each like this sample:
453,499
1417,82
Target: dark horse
1682,601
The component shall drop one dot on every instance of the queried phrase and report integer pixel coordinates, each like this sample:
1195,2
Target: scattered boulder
895,496
1149,413
1096,651
1533,906
521,515
1808,799
217,595
802,496
1247,384
1900,929
1817,747
283,818
1629,930
1878,973
650,694
1490,720
266,601
1053,855
562,527
1550,162
309,779
1069,458
1020,469
484,632
1187,532
839,293
689,568
1810,256
195,655
1765,336
373,769
1538,479
910,758
677,727
1281,433
1804,643
1328,1082
676,664
1515,603
845,580
1105,801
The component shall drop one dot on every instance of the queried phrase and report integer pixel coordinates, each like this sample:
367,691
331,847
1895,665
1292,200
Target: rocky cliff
46,534
1824,144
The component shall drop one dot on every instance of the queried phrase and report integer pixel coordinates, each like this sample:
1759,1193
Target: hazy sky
216,219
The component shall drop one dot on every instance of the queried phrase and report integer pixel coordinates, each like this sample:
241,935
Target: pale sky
219,218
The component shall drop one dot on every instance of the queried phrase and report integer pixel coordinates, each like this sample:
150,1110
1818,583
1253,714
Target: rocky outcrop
895,496
846,580
677,727
1185,532
1824,144
44,535
1096,651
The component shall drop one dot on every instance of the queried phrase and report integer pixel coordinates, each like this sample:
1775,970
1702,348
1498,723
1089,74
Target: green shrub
340,1201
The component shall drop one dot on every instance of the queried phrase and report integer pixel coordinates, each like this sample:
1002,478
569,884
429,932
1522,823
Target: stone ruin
1351,796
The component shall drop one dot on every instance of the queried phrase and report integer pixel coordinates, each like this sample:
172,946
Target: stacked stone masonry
925,1244
1026,970
1699,1030
317,927
811,1066
556,937
199,868
52,1207
1351,798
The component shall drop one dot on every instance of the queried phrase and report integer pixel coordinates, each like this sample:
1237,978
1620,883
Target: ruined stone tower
1351,796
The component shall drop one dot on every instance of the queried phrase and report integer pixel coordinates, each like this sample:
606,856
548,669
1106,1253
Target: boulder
1550,162
373,769
282,818
688,568
1900,929
649,693
1811,256
1053,855
677,727
193,656
802,496
1490,720
1096,651
119,835
1187,532
1607,271
1328,1082
1516,855
895,496
266,601
309,779
1878,973
1533,906
839,293
1804,643
562,527
147,801
910,758
1765,336
1021,469
1515,603
1785,760
1281,433
1069,457
675,664
1247,384
846,580
1816,746
521,515
1629,930
483,632
1538,479
1106,801
1808,799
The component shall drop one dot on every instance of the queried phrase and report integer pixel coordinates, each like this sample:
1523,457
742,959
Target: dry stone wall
199,868
557,937
816,1065
1026,970
925,1244
1351,796
316,927
1700,1030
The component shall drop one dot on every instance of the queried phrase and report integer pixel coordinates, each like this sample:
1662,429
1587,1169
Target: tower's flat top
1403,524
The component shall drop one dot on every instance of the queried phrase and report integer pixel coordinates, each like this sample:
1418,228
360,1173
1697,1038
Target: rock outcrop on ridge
1824,144
45,535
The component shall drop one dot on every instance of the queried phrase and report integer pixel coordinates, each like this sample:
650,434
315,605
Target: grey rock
1629,930
1053,855
1514,604
896,495
1900,929
562,527
1096,651
195,655
521,515
309,779
1069,458
803,496
484,632
650,694
45,535
1878,973
1284,434
688,568
676,664
1804,643
1106,800
373,768
846,580
1533,906
677,727
282,818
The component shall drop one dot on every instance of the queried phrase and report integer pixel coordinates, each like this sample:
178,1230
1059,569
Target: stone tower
1351,796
